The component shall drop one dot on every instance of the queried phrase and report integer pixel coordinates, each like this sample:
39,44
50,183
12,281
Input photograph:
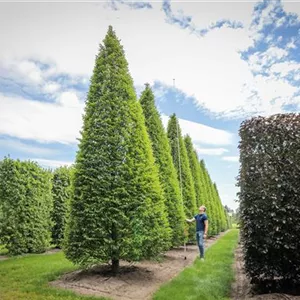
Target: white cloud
266,17
270,88
272,91
258,60
292,7
62,121
19,146
283,68
69,99
30,70
51,87
30,76
291,44
40,121
234,10
210,68
296,77
202,134
25,70
197,64
211,151
274,53
231,158
270,95
52,163
297,101
228,192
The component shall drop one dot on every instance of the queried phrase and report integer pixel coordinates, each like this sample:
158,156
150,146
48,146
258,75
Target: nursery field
113,224
51,276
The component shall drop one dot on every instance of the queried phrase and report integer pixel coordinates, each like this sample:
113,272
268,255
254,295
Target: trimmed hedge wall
269,182
26,203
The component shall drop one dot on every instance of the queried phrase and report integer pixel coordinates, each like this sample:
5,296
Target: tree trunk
115,254
115,266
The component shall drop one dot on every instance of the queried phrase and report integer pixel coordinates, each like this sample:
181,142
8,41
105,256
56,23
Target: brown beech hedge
269,182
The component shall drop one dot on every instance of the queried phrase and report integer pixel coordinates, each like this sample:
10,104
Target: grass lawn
26,278
210,279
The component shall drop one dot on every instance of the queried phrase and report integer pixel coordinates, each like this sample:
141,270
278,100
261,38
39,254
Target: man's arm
206,227
190,220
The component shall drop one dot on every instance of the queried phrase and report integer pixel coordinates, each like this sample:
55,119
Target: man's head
202,209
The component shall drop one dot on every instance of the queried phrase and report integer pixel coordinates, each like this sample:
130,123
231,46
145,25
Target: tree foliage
195,168
118,209
167,171
181,162
61,192
269,197
26,200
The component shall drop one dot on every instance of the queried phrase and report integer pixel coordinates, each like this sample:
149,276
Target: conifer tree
209,202
217,208
184,174
195,168
61,192
167,171
203,187
223,222
118,210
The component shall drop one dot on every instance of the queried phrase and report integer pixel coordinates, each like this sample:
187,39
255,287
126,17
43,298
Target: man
201,228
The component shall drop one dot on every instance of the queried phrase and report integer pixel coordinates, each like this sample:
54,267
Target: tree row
132,185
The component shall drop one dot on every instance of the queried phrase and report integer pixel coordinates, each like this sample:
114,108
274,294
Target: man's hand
205,235
190,220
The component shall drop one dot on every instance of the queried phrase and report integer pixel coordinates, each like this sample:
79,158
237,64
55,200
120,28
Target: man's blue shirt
200,221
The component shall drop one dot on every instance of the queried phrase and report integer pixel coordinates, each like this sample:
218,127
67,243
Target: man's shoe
202,259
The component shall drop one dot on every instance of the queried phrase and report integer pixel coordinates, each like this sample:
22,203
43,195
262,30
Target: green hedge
61,192
270,197
25,195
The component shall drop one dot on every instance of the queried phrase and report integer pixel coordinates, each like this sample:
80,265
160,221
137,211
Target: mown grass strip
27,277
210,279
23,278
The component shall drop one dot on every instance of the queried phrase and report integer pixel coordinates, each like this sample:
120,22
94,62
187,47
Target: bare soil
242,288
136,281
3,257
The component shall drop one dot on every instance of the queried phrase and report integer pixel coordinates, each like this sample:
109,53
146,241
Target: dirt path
4,257
136,281
241,288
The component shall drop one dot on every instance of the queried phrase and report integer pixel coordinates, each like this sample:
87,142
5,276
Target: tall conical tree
223,222
61,192
184,174
209,203
216,207
203,195
195,168
167,171
214,204
118,209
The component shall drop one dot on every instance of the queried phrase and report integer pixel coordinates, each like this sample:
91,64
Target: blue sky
230,61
